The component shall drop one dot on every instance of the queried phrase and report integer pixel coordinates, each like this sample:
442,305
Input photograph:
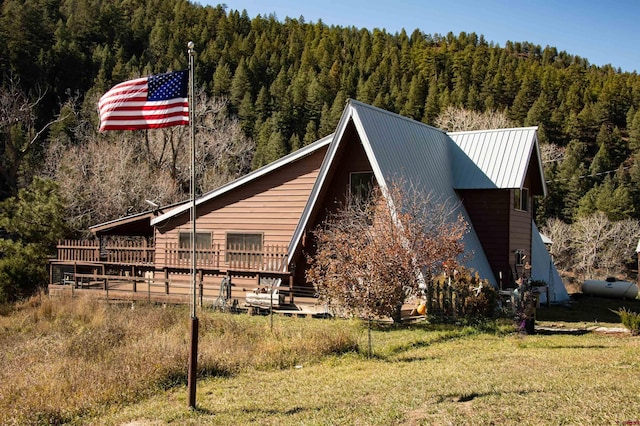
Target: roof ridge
393,114
493,130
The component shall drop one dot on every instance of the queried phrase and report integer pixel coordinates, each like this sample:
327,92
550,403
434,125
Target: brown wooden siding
271,205
349,158
489,211
533,178
520,235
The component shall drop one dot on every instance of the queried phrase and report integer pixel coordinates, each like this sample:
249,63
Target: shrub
22,270
631,320
461,296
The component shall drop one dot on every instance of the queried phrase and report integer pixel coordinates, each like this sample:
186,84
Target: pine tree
222,78
431,106
240,85
634,132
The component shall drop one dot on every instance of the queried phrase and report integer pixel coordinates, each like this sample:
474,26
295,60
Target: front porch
135,269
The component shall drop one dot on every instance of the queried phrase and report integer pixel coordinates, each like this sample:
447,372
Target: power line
588,176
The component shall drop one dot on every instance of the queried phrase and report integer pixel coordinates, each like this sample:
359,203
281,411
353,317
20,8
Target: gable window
203,243
245,248
521,199
360,187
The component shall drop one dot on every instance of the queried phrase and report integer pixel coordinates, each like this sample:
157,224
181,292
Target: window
520,256
360,187
521,199
246,248
203,241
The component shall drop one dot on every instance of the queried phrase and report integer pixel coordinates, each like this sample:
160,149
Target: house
256,231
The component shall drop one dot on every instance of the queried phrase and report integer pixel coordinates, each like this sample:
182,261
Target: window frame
521,199
363,195
255,252
184,243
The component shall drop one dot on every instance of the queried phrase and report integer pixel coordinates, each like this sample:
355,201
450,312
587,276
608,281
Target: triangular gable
502,159
397,146
287,159
138,224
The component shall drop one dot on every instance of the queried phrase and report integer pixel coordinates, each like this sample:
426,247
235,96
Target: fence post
201,285
291,288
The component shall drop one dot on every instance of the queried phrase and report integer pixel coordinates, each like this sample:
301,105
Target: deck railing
129,252
270,258
79,250
177,256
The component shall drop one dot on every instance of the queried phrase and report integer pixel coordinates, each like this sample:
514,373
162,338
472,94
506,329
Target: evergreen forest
271,86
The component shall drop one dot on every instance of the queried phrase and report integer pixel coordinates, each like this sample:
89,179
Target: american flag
146,103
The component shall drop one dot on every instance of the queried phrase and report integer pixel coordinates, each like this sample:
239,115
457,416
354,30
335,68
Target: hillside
287,81
267,87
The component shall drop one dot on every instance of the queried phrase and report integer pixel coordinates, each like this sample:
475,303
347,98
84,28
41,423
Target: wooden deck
210,292
141,253
127,271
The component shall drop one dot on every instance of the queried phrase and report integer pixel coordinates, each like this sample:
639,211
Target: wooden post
291,288
73,285
201,285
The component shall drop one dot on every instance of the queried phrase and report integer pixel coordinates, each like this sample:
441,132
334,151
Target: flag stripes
146,103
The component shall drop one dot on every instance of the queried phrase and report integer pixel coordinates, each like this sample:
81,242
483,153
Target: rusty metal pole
193,349
193,362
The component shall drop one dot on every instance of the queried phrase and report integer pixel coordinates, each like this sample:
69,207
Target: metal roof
399,147
501,157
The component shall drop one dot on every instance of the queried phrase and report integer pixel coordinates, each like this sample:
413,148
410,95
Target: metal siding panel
543,268
422,154
503,155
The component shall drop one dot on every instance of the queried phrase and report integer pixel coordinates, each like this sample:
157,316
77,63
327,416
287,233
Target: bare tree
552,153
20,133
590,237
561,248
454,119
620,249
370,254
103,177
223,152
593,245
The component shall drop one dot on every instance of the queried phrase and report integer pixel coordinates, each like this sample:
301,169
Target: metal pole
193,350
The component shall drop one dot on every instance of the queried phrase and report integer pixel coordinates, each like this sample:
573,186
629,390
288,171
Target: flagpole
193,350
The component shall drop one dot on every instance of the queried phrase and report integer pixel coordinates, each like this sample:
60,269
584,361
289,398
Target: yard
86,363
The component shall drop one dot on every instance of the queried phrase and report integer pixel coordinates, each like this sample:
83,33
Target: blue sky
603,32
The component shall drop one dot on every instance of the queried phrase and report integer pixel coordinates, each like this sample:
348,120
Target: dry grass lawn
81,362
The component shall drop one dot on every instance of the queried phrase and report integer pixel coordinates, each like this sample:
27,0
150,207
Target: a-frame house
260,226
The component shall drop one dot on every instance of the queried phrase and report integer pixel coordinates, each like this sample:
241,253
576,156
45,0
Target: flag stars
167,86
